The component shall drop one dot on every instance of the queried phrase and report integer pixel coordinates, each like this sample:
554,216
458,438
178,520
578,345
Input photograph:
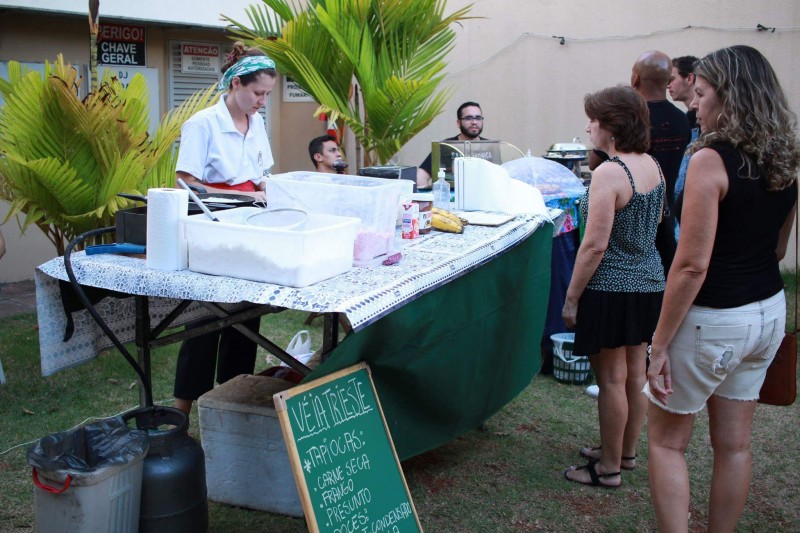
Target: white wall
531,88
23,252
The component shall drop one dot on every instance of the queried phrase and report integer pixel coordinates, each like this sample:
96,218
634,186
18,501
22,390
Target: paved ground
16,298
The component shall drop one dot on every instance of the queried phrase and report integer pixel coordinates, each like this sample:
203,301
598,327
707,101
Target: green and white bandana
245,65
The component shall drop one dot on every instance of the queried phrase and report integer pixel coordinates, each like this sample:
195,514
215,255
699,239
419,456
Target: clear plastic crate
373,200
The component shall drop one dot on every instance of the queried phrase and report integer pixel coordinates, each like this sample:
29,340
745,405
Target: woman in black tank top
723,315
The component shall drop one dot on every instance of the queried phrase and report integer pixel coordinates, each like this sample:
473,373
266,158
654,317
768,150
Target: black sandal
593,475
598,448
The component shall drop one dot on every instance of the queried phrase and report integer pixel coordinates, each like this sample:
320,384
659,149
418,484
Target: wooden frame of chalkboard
342,455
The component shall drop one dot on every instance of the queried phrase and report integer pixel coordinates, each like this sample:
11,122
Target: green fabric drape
447,361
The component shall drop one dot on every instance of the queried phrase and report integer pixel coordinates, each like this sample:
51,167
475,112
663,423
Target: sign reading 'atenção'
200,58
343,459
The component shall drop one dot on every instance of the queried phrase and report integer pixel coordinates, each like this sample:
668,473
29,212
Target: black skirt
612,319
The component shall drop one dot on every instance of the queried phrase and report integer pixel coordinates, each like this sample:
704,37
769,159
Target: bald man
669,135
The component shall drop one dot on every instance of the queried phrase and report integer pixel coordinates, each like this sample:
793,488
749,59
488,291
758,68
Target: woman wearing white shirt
225,148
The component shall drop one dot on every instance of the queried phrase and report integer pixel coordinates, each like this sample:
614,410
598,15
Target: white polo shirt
214,151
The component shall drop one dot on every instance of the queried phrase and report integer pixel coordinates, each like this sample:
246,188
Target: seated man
325,155
470,121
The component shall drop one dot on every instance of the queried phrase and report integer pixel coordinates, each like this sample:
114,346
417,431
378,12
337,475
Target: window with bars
182,85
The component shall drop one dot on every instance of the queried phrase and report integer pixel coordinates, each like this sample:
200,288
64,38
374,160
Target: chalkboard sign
342,456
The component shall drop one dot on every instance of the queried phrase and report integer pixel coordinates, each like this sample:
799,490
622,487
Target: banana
447,214
444,220
444,223
451,216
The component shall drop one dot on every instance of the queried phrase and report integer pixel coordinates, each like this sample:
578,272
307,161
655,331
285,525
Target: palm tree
394,50
63,160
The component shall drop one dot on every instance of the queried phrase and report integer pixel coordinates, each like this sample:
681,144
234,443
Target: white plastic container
373,200
247,463
323,248
107,499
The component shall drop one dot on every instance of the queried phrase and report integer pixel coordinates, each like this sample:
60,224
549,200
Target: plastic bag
300,347
100,444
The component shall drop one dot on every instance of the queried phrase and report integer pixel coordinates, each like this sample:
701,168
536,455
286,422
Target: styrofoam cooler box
246,459
373,200
319,249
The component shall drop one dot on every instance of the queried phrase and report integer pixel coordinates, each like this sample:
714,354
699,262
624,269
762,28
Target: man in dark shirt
469,119
669,135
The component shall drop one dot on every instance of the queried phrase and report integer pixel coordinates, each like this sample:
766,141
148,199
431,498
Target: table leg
143,348
257,337
330,334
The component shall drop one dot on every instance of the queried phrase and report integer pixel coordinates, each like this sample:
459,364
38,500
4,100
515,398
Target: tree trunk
94,29
93,61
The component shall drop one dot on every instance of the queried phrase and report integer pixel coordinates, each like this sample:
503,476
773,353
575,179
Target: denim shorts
724,352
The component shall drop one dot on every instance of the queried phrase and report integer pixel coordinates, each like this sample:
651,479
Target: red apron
247,186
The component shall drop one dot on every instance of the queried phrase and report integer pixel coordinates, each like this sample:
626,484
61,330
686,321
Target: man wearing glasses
469,119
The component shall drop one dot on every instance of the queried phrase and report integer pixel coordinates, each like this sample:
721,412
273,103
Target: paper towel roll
166,243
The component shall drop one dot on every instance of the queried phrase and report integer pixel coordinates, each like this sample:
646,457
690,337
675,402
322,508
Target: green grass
507,477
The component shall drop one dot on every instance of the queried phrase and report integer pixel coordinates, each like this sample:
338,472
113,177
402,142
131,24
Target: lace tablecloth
362,294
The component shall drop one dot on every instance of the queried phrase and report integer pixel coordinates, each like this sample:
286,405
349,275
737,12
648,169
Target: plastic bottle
441,192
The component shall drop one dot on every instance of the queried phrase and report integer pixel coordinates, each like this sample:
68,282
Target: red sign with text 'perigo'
121,44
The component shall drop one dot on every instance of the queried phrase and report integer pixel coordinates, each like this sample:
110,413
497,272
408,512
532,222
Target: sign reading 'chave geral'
121,44
342,456
200,58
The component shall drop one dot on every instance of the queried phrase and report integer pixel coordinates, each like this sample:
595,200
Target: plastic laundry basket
568,368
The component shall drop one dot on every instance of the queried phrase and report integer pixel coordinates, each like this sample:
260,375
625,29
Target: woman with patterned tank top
617,284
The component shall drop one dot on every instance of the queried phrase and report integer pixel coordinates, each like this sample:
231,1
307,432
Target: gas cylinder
174,494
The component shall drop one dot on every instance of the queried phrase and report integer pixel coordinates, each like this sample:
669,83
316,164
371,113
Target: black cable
148,392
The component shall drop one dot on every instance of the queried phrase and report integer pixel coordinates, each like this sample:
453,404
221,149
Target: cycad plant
392,51
63,159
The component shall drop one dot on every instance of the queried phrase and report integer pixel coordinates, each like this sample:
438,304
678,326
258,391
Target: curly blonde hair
755,117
